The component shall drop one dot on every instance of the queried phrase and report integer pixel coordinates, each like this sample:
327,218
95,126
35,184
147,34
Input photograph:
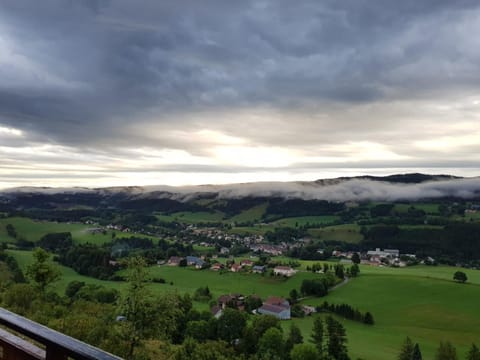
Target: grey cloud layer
349,190
94,67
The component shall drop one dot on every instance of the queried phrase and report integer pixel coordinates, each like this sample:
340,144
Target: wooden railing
58,346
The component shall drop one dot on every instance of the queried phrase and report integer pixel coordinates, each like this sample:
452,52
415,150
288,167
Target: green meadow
429,208
32,230
303,220
421,302
346,233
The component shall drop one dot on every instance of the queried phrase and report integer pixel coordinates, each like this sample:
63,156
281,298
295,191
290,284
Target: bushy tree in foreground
41,272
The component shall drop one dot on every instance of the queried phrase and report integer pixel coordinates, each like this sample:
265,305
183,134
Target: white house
284,271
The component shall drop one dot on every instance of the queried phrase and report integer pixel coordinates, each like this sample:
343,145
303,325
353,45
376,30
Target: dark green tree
339,271
231,325
406,352
137,308
252,302
337,339
356,258
294,337
473,353
416,355
262,323
354,270
368,318
11,231
42,272
197,330
73,287
318,334
446,351
271,345
460,276
293,296
304,352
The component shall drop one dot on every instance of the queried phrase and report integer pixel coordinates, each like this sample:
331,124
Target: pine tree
368,319
417,355
337,339
294,337
317,335
446,351
406,352
473,353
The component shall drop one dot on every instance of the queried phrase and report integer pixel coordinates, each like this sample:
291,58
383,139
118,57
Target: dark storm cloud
92,67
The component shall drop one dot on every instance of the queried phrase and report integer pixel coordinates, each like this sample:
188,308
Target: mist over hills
363,188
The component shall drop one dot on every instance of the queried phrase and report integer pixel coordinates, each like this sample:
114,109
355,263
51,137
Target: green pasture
251,230
426,309
33,230
189,279
253,214
303,220
24,258
347,232
429,208
188,217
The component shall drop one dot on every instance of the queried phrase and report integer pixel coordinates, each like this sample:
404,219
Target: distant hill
411,178
413,186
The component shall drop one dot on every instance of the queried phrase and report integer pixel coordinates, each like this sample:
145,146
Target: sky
118,92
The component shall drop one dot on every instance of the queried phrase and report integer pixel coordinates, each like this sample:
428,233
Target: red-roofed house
276,306
246,262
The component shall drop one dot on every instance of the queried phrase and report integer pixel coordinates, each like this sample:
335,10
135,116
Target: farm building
283,270
276,306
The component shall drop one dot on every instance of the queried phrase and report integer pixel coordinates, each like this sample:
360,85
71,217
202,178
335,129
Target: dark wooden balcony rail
58,346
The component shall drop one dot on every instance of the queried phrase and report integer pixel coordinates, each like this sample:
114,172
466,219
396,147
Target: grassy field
428,310
429,208
34,230
421,302
347,232
24,258
254,214
300,221
188,217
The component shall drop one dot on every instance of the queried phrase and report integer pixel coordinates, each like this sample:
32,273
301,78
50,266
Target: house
224,251
284,271
174,261
195,261
308,310
216,311
276,306
259,269
387,253
276,300
235,301
217,267
246,262
236,268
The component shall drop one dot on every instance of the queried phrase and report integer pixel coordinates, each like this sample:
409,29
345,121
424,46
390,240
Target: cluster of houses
275,306
378,257
243,265
197,262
